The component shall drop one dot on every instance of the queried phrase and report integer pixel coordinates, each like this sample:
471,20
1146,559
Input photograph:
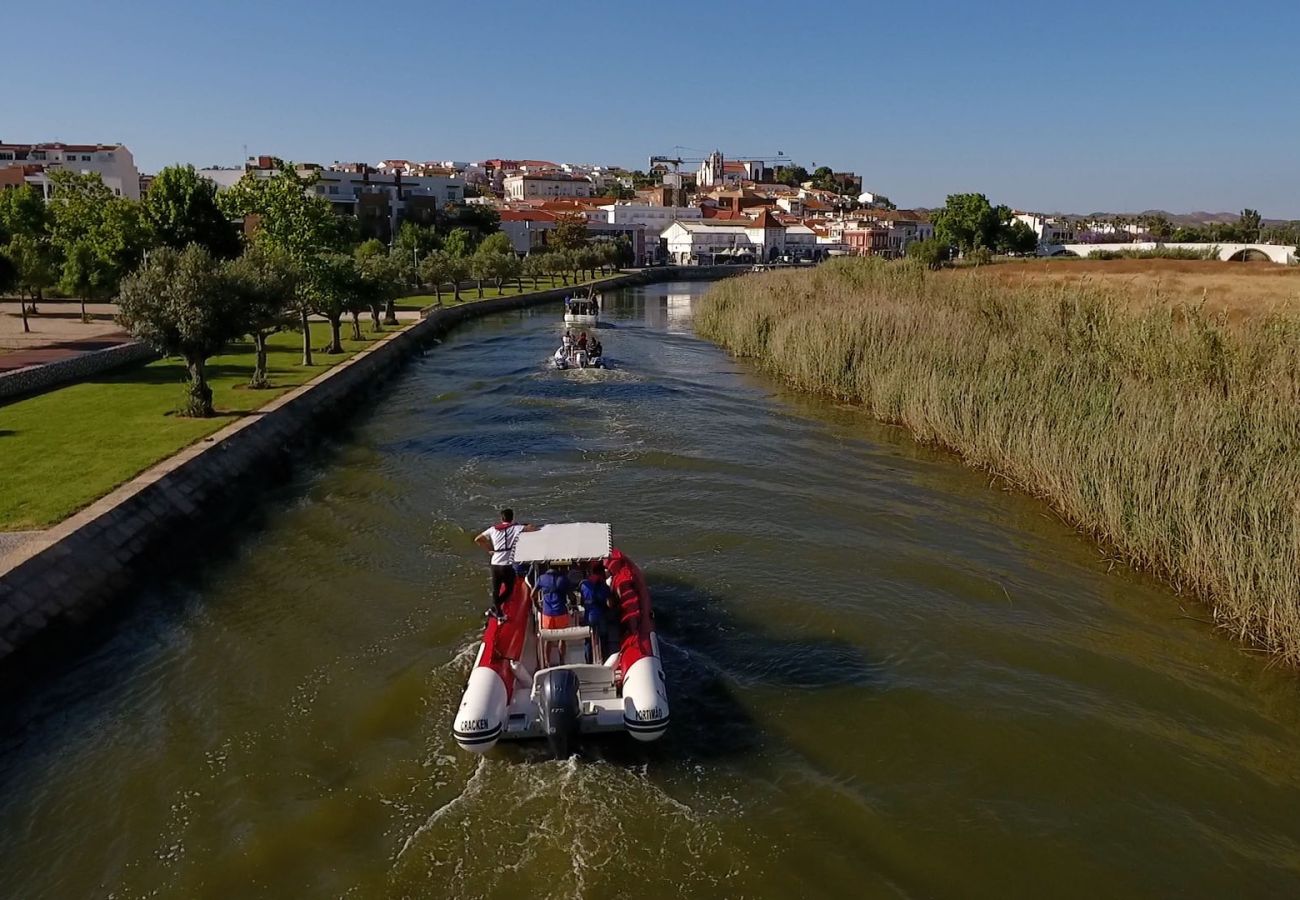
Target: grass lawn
489,292
61,450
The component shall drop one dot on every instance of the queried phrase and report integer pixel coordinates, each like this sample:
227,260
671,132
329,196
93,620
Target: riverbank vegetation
1168,429
66,448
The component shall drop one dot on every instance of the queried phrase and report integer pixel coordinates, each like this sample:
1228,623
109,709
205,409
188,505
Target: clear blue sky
1188,105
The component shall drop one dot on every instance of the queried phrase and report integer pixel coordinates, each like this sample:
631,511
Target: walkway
57,333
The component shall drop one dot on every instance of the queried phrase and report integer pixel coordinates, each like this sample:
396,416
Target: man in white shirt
499,540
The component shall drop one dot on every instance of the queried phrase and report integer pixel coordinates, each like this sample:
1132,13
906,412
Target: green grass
64,449
1171,434
490,292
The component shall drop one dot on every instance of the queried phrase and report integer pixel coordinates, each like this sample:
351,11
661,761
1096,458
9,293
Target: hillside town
701,211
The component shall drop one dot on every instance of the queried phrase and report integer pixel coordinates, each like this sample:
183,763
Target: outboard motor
557,697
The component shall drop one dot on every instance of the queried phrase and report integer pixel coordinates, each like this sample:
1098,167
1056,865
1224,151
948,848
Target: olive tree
181,303
266,283
535,267
433,272
333,283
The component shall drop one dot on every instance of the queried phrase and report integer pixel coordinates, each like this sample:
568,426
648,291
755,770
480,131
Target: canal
889,677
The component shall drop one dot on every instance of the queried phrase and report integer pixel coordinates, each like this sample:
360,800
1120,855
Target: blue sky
1075,107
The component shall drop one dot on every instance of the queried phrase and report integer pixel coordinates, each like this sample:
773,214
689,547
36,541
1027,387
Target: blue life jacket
595,596
554,588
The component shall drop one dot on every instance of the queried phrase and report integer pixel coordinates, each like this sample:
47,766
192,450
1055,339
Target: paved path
12,540
59,350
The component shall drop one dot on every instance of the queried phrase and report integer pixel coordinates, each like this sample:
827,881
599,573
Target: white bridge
1284,254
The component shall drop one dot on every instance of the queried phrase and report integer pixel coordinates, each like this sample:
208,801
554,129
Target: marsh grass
1168,432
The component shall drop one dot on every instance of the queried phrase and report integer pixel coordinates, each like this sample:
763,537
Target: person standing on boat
595,603
499,540
582,341
554,587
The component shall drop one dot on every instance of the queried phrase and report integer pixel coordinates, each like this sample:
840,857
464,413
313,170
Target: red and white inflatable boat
588,687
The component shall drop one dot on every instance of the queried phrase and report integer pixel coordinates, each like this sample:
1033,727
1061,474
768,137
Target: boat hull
625,691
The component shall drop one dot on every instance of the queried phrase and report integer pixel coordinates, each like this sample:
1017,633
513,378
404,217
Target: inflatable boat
530,682
575,358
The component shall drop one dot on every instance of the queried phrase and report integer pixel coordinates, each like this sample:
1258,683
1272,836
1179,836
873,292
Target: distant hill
1191,218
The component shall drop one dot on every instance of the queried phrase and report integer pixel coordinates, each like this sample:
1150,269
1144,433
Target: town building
113,163
550,184
713,241
1049,230
379,201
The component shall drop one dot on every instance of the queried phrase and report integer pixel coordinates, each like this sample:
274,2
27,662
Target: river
889,677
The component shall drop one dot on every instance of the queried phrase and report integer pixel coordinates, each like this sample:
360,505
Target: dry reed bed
1166,431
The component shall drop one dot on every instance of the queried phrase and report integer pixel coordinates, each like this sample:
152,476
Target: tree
284,216
265,282
413,243
101,237
1248,225
9,278
181,209
23,211
433,272
969,221
181,304
1018,238
457,268
482,266
1159,227
535,266
35,268
492,260
385,277
570,232
791,175
459,243
333,282
931,253
477,220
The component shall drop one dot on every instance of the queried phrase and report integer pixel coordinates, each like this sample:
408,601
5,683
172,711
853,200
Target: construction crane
775,160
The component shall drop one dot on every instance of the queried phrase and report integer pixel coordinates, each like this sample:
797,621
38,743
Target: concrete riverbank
63,578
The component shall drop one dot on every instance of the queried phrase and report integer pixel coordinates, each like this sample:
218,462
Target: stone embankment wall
75,368
61,579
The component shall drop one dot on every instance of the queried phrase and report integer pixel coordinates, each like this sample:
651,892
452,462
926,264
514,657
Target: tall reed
1169,434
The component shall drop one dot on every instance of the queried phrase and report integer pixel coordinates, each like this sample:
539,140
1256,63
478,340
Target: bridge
1284,254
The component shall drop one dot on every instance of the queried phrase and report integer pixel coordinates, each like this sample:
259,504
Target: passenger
500,540
554,588
596,606
582,341
596,348
567,341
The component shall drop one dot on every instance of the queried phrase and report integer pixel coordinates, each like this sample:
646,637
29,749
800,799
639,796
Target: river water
889,677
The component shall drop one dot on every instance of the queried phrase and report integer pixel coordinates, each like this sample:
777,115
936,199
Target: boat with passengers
533,680
582,311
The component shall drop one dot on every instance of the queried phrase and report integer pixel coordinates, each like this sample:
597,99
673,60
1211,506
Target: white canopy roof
572,540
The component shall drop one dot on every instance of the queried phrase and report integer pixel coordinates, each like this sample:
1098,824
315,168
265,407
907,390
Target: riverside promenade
60,577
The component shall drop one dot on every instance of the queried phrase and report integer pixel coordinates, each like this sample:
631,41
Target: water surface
890,678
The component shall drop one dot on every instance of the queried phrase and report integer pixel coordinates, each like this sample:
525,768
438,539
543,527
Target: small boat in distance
582,310
559,683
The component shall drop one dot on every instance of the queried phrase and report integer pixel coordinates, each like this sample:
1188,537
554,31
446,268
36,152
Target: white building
551,184
111,162
711,241
654,218
359,190
1048,229
801,242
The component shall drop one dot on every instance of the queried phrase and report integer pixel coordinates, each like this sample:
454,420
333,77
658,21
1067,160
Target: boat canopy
572,540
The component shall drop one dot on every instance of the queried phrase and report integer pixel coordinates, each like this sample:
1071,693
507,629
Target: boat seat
575,633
